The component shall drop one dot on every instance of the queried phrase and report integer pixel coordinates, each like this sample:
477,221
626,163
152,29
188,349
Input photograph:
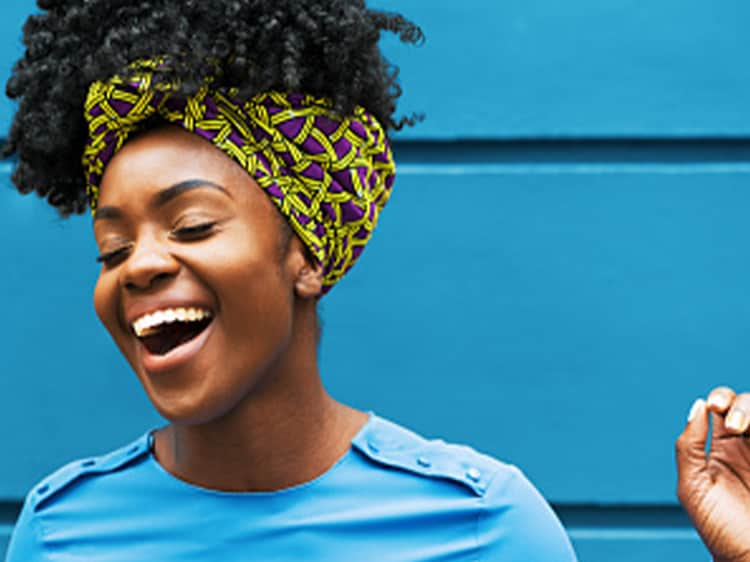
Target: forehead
157,159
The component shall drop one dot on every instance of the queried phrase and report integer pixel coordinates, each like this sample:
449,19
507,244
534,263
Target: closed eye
110,258
195,232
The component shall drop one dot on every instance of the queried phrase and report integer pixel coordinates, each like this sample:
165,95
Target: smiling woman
233,182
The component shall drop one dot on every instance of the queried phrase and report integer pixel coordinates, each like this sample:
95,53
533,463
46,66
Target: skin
714,486
248,411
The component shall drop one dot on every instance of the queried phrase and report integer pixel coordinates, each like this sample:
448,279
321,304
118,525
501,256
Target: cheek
104,304
247,266
258,297
258,302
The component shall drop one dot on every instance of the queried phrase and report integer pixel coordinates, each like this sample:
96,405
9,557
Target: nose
148,264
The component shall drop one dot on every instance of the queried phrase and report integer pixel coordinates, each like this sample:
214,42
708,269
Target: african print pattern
329,176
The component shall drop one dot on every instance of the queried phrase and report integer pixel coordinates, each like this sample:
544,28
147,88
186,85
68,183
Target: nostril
159,277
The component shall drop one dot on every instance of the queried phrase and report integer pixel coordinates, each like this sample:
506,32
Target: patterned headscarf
328,175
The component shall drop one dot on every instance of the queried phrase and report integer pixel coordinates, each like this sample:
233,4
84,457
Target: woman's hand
714,486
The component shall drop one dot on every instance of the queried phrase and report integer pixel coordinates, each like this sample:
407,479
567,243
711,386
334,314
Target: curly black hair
327,48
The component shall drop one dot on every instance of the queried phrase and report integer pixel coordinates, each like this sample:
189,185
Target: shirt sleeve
517,524
25,544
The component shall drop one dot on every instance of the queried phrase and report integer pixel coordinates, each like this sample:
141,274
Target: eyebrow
162,197
166,195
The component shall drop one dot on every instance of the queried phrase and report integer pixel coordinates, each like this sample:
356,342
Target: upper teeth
148,322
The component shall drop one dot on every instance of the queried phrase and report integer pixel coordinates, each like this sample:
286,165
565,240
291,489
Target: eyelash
187,233
194,232
109,257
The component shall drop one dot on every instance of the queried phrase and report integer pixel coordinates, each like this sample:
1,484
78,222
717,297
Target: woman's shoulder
392,445
65,494
62,480
513,520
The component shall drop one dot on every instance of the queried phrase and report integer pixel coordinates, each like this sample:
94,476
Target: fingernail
719,400
735,421
698,405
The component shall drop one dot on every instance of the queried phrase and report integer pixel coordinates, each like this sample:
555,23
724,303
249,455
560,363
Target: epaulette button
473,474
424,462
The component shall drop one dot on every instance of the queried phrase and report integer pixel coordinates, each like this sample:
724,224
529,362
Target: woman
714,485
236,158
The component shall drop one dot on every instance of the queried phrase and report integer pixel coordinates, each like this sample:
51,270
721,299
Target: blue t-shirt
394,496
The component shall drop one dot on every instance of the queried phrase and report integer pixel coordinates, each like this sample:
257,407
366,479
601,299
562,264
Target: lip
178,357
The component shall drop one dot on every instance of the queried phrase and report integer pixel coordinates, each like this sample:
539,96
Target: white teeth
148,323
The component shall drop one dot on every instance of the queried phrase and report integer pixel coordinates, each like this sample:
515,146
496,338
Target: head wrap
328,175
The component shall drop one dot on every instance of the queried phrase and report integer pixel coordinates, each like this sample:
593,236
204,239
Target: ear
307,273
309,282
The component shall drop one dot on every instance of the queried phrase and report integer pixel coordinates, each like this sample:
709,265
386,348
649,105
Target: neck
286,431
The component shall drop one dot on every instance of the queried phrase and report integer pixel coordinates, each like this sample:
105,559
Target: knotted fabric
328,175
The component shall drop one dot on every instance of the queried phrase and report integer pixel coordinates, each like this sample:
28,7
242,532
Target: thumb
691,453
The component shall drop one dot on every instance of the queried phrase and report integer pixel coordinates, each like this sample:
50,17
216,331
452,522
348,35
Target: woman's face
197,285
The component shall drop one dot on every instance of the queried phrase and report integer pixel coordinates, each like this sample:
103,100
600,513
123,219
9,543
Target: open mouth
164,330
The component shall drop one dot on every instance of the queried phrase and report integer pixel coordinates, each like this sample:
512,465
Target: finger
691,450
720,399
738,416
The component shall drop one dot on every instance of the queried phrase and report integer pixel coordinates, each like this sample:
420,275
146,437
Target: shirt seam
481,550
38,530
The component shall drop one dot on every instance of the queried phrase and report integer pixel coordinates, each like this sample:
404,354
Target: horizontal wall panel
547,69
645,546
8,514
64,390
541,68
631,533
5,531
562,317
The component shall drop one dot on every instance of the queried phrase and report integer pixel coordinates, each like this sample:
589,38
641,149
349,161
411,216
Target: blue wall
586,280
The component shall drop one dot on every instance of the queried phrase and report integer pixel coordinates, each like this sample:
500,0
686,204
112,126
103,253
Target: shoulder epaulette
394,446
68,474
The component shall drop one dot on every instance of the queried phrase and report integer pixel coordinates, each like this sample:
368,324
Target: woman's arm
25,544
518,524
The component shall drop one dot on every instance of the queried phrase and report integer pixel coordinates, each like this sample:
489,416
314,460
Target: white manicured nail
719,400
697,407
735,421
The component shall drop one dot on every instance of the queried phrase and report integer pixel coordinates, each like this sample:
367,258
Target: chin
186,413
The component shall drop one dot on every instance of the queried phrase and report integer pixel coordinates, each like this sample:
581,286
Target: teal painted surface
638,547
561,319
573,301
546,69
548,316
541,69
5,531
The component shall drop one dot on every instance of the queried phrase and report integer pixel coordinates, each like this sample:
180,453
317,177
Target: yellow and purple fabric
330,176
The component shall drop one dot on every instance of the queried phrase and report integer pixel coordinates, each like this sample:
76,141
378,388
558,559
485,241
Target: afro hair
327,48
